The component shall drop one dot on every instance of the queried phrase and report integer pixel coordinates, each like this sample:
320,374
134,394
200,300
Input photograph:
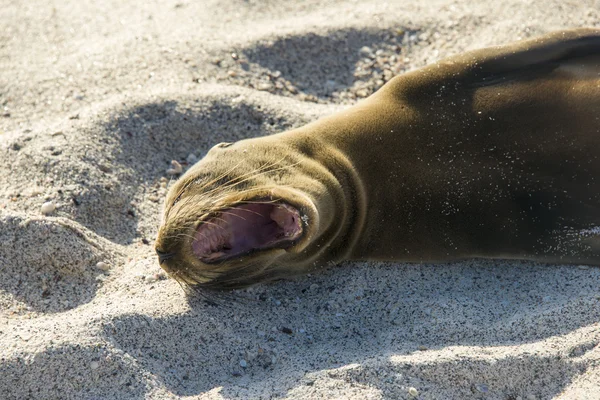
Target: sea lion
489,154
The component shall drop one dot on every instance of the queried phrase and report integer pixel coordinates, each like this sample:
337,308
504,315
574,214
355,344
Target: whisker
246,191
180,208
233,275
196,290
264,172
260,170
187,185
233,214
228,184
177,197
220,176
182,235
229,188
259,202
250,211
252,174
180,280
212,223
220,219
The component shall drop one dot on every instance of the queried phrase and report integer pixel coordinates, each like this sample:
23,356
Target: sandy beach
97,99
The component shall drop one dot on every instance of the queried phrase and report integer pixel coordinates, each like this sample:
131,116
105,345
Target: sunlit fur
493,153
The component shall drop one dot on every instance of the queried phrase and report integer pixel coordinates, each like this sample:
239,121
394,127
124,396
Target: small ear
522,60
218,146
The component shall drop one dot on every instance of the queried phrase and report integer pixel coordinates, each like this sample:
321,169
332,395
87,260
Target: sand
97,98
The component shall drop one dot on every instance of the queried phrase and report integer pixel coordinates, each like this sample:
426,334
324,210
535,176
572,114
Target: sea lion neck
366,148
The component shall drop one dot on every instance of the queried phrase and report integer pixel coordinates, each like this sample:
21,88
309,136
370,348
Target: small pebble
366,51
264,86
583,266
481,388
243,363
150,279
101,265
48,207
94,365
191,158
413,392
176,168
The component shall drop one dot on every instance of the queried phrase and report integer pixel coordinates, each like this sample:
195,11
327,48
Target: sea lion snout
235,219
163,255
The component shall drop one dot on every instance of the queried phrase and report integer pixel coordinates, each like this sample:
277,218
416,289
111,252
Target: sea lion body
491,154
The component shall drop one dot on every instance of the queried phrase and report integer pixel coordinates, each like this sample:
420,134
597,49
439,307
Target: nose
163,255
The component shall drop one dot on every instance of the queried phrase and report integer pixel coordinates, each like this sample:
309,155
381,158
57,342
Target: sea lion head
244,214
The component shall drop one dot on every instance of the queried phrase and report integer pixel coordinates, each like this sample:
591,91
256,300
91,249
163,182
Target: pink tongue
244,228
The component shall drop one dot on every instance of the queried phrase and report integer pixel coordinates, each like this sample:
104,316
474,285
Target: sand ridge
96,99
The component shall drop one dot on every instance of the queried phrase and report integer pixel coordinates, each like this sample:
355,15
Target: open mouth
246,228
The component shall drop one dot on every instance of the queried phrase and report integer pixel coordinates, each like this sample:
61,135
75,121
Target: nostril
163,255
